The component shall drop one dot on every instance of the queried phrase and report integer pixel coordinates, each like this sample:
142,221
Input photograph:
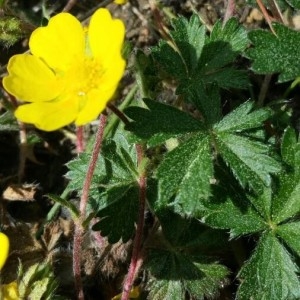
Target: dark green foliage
159,122
180,182
270,273
178,267
213,172
276,53
114,188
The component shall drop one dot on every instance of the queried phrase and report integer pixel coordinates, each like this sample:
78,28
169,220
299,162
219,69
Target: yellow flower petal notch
4,249
71,72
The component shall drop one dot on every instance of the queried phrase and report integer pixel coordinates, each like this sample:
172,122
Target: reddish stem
79,230
79,140
229,10
69,5
136,258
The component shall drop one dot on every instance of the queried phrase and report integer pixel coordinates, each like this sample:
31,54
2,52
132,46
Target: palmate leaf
229,208
205,97
270,273
286,203
232,33
189,38
189,233
184,176
289,146
77,173
117,220
114,190
194,55
243,118
248,159
159,122
290,233
221,49
276,53
178,262
176,274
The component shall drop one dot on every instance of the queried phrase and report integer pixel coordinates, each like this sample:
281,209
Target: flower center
88,76
84,75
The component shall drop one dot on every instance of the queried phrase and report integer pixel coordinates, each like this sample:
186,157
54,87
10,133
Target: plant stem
79,230
230,7
136,258
79,140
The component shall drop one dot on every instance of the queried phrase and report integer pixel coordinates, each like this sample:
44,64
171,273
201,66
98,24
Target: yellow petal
4,249
113,74
49,116
120,2
96,99
10,291
60,42
134,293
105,36
95,103
30,79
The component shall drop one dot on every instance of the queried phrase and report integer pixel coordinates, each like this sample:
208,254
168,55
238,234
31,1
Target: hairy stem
79,230
136,258
79,140
230,7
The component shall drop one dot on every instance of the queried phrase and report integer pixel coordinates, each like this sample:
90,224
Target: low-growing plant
205,181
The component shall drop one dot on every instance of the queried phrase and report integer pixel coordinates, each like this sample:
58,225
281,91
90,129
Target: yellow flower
134,293
4,249
71,73
121,2
10,291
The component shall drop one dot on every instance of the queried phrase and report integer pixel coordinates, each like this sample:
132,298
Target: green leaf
294,3
226,78
214,66
205,98
194,56
159,122
189,38
276,53
228,209
77,173
8,122
248,159
290,233
165,289
232,32
286,203
187,273
263,203
169,60
114,190
117,220
181,183
270,273
189,233
289,146
65,203
243,118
